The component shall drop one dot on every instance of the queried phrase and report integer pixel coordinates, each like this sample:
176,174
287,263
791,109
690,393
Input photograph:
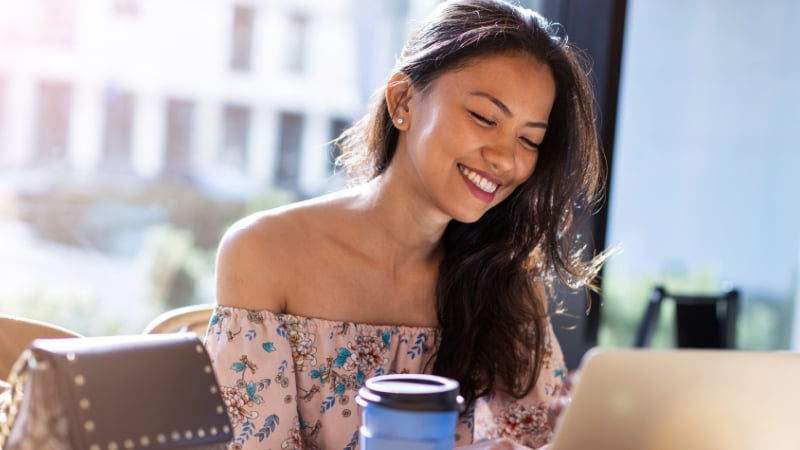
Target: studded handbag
149,392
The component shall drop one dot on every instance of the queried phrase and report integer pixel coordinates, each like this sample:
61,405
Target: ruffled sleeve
524,420
252,358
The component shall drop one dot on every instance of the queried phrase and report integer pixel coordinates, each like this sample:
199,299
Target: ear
398,93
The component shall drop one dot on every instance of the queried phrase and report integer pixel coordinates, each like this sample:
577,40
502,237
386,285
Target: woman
474,161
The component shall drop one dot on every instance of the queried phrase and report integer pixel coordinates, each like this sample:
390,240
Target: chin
468,217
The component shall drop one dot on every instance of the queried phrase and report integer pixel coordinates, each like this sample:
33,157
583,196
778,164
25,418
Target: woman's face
472,136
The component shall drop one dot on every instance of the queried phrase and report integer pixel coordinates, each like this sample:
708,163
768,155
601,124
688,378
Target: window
296,43
119,117
289,150
242,39
704,184
237,127
337,127
52,121
179,136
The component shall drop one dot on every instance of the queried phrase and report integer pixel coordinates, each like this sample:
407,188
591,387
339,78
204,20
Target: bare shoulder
247,262
260,256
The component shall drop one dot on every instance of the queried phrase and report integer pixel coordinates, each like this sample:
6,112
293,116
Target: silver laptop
647,399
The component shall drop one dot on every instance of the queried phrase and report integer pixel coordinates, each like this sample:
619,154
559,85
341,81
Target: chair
192,318
16,333
701,321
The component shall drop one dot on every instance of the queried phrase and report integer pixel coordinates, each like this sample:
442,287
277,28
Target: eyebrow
502,106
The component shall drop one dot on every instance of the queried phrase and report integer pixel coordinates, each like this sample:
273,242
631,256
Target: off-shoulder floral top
290,382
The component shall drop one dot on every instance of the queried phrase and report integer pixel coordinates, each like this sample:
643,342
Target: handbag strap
9,407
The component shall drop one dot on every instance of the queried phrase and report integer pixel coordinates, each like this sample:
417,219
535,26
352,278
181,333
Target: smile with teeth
479,181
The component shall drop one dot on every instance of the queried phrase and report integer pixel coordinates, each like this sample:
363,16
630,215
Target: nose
500,156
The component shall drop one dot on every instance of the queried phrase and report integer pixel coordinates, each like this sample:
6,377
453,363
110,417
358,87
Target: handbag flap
142,391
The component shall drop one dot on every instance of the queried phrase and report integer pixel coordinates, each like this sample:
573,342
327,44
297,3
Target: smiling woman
471,130
468,174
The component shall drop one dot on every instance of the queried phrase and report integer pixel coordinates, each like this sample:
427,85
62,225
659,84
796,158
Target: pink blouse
290,382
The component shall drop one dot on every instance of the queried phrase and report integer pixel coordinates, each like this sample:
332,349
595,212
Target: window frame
598,27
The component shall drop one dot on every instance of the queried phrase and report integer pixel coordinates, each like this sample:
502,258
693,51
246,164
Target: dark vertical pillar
597,27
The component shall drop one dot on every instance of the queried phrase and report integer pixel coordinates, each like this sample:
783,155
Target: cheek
426,130
527,165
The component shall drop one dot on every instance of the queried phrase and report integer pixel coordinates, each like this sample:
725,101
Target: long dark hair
493,320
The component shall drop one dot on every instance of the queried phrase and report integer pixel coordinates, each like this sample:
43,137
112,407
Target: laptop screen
646,399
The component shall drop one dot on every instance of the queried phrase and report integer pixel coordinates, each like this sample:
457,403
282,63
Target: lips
479,181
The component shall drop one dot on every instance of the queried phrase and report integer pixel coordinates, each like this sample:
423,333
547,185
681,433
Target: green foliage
764,321
269,199
104,213
167,231
66,307
180,266
175,266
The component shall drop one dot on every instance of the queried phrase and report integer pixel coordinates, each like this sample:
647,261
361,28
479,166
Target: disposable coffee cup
409,411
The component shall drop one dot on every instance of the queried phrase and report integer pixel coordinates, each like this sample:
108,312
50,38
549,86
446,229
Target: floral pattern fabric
290,382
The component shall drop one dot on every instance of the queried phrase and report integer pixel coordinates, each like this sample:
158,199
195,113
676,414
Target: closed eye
482,120
530,144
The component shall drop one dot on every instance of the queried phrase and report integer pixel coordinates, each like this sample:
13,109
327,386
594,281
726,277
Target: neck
407,230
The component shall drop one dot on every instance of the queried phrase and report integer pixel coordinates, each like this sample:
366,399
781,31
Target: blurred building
246,93
132,132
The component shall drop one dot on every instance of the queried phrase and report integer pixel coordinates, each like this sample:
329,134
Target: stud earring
400,121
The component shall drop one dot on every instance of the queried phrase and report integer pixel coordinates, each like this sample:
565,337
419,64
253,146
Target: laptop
647,399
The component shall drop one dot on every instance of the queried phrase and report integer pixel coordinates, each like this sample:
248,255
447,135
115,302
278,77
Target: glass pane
291,133
296,43
52,124
234,147
179,135
704,185
119,120
242,39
